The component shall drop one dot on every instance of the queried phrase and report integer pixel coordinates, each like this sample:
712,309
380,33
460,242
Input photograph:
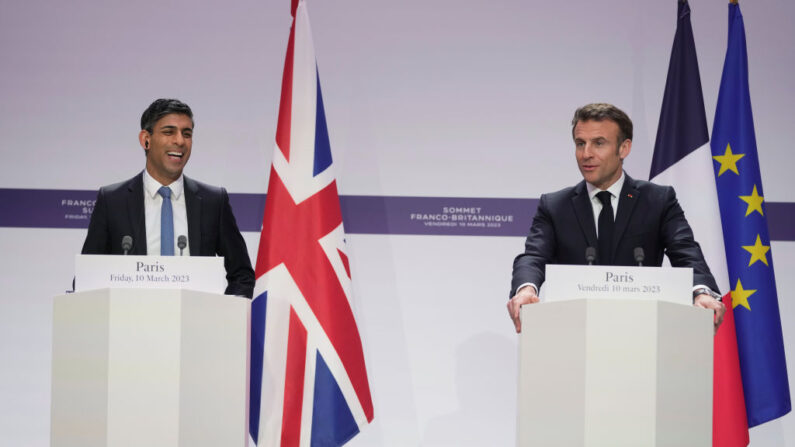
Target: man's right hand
525,295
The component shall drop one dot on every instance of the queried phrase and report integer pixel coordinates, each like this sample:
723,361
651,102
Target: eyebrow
175,128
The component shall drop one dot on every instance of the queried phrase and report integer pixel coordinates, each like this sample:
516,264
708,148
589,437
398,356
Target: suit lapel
193,203
135,208
626,205
584,211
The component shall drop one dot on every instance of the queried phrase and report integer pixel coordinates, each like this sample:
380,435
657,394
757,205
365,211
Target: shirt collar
151,186
614,189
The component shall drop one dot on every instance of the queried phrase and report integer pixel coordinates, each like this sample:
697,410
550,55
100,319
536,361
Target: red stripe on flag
290,235
729,422
345,262
294,382
286,102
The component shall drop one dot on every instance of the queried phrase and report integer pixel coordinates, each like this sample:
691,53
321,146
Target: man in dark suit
160,203
637,213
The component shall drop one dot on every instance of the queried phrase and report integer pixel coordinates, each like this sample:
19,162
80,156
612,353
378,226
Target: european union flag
745,232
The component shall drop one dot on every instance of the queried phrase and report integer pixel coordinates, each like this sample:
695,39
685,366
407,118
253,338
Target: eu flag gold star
740,296
754,202
758,252
728,161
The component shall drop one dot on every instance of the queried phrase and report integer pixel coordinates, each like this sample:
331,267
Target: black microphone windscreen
126,243
590,255
639,254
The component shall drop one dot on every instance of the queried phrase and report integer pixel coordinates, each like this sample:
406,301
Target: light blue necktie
166,223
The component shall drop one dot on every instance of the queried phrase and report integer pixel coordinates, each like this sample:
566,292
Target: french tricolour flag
309,383
683,158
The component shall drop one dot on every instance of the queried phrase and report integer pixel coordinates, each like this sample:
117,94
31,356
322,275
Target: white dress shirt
153,202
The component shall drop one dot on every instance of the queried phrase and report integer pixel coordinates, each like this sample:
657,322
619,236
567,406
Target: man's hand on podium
706,301
525,295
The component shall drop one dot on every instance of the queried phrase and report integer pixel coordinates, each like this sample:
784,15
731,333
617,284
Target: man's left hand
708,302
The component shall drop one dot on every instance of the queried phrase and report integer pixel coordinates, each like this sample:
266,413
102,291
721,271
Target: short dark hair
160,108
601,112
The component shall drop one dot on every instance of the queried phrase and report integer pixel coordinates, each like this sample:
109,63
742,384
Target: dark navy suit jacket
212,229
649,216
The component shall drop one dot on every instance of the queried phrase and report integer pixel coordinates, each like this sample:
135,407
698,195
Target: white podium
150,367
615,371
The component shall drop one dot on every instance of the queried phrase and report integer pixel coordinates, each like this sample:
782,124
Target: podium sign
200,273
571,282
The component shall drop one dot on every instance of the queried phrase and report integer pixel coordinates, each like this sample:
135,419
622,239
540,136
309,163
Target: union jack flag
309,383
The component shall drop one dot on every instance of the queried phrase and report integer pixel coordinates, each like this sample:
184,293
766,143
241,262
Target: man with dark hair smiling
637,213
160,203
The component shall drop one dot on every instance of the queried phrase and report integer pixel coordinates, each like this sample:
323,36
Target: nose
179,140
587,151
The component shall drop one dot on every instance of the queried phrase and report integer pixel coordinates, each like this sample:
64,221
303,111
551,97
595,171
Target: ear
625,149
143,138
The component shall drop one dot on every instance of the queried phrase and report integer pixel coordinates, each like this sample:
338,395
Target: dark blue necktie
166,223
606,226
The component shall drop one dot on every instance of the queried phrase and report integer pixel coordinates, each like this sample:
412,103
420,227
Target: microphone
639,256
126,243
182,242
590,255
